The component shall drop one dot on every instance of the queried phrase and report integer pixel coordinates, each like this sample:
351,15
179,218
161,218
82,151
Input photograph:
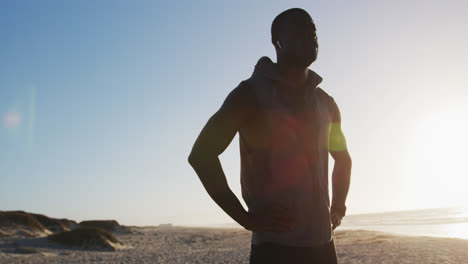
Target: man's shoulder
329,102
244,88
240,104
241,96
322,94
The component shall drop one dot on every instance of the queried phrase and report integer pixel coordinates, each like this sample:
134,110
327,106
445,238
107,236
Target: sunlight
459,230
437,159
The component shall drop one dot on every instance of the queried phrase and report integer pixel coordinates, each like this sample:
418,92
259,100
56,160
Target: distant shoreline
451,222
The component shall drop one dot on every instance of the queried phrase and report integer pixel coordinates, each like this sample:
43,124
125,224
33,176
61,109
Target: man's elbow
198,157
193,158
190,159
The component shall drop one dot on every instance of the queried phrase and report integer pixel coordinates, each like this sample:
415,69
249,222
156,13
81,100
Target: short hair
282,17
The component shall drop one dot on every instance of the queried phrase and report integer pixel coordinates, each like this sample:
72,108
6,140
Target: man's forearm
211,175
341,179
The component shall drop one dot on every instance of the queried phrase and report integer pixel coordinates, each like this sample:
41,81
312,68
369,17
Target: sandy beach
229,245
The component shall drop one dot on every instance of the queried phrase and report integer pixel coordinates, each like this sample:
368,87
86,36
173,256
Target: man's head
293,34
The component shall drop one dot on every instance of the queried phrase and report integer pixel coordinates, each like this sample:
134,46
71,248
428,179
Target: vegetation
108,225
13,218
92,238
53,224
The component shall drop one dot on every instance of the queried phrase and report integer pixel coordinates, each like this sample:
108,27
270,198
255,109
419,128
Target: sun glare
437,159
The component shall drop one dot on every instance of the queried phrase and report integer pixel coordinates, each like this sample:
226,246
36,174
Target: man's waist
313,233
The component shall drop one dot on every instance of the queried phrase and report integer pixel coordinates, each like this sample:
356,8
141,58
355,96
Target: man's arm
341,176
212,141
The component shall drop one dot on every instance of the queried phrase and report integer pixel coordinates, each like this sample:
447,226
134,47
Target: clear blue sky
101,101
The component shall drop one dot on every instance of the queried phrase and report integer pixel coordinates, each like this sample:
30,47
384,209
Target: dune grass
86,237
108,225
20,218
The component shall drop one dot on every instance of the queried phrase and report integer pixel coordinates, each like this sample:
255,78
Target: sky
101,101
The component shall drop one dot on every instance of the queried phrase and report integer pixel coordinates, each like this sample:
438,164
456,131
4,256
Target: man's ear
278,44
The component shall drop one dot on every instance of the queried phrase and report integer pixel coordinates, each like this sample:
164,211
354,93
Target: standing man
287,125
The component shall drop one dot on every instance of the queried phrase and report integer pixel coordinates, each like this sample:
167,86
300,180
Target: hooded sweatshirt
284,155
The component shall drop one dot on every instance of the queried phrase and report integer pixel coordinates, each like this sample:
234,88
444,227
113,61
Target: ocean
440,222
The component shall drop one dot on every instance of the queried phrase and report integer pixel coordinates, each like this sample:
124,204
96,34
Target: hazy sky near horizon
101,101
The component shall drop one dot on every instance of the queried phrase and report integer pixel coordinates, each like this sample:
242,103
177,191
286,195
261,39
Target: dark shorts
272,253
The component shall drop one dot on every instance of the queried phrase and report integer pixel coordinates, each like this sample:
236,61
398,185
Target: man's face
299,46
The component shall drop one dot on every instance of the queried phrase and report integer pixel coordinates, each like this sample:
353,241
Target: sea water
440,222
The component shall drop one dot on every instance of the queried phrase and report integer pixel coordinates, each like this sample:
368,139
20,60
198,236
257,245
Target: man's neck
297,76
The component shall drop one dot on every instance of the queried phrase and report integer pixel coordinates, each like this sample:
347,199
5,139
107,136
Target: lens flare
11,120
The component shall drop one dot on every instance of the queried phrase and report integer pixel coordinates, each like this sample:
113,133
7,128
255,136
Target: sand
230,245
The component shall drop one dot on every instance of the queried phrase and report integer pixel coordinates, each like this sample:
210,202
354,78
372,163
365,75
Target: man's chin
312,59
303,64
301,61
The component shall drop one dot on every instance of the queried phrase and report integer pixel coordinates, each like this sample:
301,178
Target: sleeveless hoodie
284,156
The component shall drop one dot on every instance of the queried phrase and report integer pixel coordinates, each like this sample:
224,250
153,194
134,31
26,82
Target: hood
265,68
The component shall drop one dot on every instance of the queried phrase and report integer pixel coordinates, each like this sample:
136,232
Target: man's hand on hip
336,214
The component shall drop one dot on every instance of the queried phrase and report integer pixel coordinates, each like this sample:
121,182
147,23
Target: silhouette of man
287,125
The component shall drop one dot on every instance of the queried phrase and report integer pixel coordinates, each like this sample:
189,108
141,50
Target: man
287,126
